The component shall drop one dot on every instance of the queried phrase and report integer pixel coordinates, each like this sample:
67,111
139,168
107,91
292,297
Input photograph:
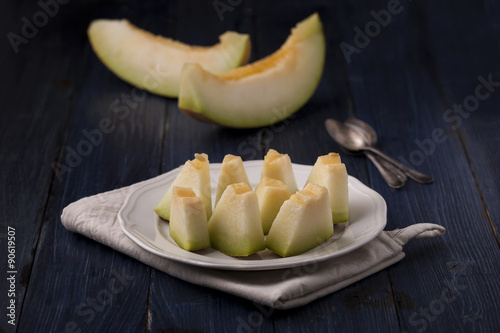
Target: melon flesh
264,92
271,194
235,228
232,171
328,171
154,63
303,222
195,174
279,166
188,220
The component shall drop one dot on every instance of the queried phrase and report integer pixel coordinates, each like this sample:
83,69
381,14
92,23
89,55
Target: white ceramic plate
138,220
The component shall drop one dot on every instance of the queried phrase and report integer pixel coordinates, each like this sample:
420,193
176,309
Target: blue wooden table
425,74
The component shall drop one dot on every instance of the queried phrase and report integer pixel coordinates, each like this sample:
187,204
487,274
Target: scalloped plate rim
139,222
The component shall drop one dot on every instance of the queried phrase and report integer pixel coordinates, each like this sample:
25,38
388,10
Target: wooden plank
476,123
402,83
35,102
79,266
69,286
175,305
368,303
441,279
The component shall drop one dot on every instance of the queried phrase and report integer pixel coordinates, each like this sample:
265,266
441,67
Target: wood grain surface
426,77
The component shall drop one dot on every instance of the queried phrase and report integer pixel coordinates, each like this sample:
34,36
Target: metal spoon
352,140
371,140
393,176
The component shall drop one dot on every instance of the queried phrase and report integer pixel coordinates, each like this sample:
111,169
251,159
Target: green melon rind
229,103
142,59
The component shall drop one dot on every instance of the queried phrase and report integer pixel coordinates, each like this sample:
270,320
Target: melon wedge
264,92
271,194
195,174
232,171
154,63
303,222
328,171
235,228
188,220
279,166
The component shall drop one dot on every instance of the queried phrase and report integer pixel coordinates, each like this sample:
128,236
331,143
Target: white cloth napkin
96,217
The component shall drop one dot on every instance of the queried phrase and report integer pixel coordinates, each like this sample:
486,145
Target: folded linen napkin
96,217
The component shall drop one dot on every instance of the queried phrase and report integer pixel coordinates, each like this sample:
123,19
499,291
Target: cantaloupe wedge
188,220
154,63
264,92
232,171
303,222
279,166
235,228
328,171
195,174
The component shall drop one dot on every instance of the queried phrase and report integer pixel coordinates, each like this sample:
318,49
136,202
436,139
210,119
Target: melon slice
303,222
271,194
235,228
231,171
264,92
328,171
195,174
154,63
188,220
279,166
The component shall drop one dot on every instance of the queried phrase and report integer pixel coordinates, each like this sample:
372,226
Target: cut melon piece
154,63
271,194
303,222
279,166
235,228
328,171
195,174
261,93
231,171
188,220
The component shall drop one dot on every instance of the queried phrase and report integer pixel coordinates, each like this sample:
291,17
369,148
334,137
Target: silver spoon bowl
393,176
353,140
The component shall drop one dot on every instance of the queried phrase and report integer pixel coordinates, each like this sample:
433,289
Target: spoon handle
392,177
412,173
392,168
